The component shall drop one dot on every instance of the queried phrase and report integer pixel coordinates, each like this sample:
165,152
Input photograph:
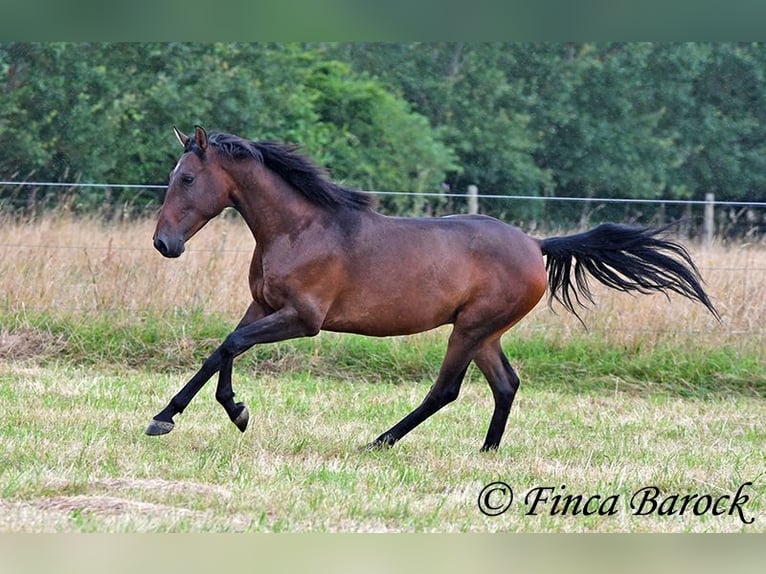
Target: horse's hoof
157,428
242,418
381,443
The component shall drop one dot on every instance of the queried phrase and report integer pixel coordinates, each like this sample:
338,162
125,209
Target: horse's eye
187,179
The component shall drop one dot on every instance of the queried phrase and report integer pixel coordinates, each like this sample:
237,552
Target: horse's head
198,190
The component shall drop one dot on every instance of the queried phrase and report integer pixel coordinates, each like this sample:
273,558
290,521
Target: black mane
296,169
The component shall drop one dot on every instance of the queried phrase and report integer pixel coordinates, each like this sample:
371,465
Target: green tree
714,97
465,90
375,140
594,115
103,113
641,120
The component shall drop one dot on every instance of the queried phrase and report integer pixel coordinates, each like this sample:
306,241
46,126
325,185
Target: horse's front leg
163,423
217,362
277,326
224,393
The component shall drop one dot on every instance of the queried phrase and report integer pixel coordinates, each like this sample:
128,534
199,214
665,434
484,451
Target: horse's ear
200,136
181,137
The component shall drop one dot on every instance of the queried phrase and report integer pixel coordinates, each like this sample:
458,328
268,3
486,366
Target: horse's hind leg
504,383
444,390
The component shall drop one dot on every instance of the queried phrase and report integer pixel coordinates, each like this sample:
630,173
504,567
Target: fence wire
445,194
70,186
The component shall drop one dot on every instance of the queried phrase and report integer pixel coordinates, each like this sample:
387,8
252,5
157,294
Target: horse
325,259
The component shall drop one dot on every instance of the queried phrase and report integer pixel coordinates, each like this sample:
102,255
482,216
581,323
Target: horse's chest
278,278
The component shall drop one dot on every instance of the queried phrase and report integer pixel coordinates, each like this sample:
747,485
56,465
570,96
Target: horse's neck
271,208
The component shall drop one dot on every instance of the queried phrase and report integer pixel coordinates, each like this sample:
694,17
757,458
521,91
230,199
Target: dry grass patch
84,266
27,343
81,266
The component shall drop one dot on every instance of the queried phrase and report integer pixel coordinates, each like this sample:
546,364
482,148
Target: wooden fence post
709,221
473,199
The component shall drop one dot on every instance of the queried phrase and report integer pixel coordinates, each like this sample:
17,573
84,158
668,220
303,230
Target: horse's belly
388,316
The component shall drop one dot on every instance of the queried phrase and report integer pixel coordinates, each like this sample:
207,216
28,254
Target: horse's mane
296,169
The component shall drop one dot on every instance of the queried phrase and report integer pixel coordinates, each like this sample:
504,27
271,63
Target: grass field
97,331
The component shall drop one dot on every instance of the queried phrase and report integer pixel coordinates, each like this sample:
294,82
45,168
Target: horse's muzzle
167,246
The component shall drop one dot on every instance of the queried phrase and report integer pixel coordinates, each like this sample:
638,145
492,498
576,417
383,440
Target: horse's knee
451,395
512,381
513,378
230,347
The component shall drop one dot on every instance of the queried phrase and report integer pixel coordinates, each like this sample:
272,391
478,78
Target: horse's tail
623,258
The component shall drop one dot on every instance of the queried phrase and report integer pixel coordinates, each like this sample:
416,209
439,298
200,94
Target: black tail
623,258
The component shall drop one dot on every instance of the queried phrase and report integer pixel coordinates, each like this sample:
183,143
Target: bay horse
326,260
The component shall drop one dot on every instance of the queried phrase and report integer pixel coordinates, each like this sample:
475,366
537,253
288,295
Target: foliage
103,112
640,120
466,90
376,142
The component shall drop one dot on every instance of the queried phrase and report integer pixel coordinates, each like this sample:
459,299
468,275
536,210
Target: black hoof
157,428
380,443
242,418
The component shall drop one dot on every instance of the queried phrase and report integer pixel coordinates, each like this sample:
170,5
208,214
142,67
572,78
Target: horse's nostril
161,246
167,246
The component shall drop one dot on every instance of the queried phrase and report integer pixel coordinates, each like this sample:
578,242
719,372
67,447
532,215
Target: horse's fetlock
224,396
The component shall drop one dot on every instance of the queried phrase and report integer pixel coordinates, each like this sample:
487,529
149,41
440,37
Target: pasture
97,330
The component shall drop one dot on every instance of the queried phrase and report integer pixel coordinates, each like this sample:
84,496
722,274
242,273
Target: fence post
709,221
473,199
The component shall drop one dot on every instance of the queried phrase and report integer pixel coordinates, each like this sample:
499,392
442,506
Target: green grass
573,364
76,459
76,394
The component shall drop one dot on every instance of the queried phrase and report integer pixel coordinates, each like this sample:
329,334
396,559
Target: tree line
639,120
